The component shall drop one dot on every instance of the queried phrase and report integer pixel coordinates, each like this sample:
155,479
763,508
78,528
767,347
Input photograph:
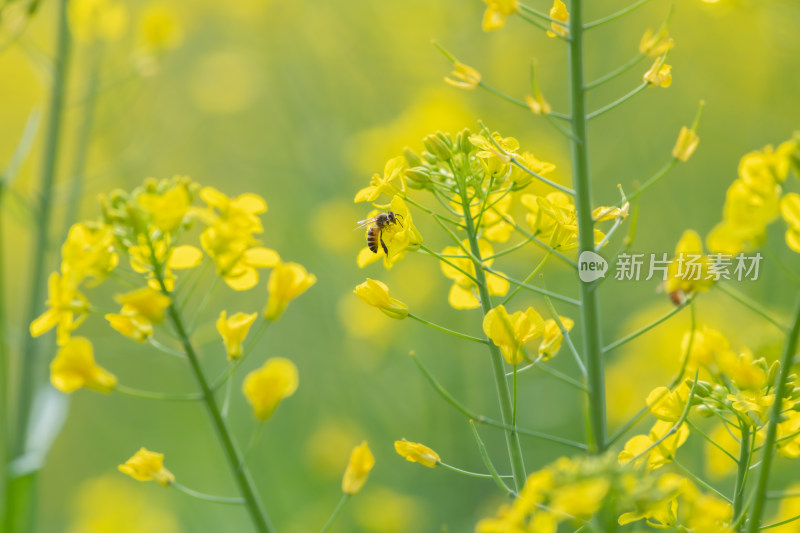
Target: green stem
506,414
789,349
615,16
653,179
590,323
741,474
39,247
466,472
449,331
148,395
240,472
699,481
487,460
616,72
206,497
20,496
616,344
461,408
527,279
533,288
618,102
781,523
750,304
336,512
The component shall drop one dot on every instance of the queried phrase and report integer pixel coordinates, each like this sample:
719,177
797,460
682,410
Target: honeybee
377,224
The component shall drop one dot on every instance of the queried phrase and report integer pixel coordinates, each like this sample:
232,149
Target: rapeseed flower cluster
148,227
755,199
574,490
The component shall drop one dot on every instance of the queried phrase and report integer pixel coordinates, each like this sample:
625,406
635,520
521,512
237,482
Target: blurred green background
300,102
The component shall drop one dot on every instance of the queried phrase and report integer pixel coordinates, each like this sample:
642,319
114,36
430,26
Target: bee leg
383,244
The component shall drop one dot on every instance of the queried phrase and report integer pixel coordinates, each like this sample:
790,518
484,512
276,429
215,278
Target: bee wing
366,222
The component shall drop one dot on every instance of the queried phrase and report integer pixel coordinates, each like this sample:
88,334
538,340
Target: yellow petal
262,257
185,257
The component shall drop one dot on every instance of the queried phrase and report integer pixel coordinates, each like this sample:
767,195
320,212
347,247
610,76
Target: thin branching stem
206,497
641,331
789,349
618,102
532,288
622,69
336,512
485,420
615,16
446,330
487,460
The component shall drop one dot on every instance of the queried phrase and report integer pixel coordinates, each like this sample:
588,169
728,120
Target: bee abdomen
372,238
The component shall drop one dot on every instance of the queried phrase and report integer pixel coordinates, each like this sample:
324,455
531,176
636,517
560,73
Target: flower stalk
18,513
240,472
512,436
789,351
590,322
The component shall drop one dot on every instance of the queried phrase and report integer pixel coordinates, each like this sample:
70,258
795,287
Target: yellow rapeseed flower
146,302
167,209
399,238
462,293
511,332
789,435
659,455
233,330
170,258
265,387
463,76
88,252
659,74
64,302
686,144
287,282
496,12
147,466
689,271
668,405
790,211
558,12
74,367
130,324
417,453
376,294
654,44
358,468
552,337
391,183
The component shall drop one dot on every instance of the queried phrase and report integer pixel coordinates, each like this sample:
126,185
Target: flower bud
438,147
412,158
376,294
774,369
419,175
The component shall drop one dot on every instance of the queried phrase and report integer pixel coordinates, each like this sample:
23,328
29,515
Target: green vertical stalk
235,461
39,246
5,393
789,350
18,515
590,322
741,474
512,436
